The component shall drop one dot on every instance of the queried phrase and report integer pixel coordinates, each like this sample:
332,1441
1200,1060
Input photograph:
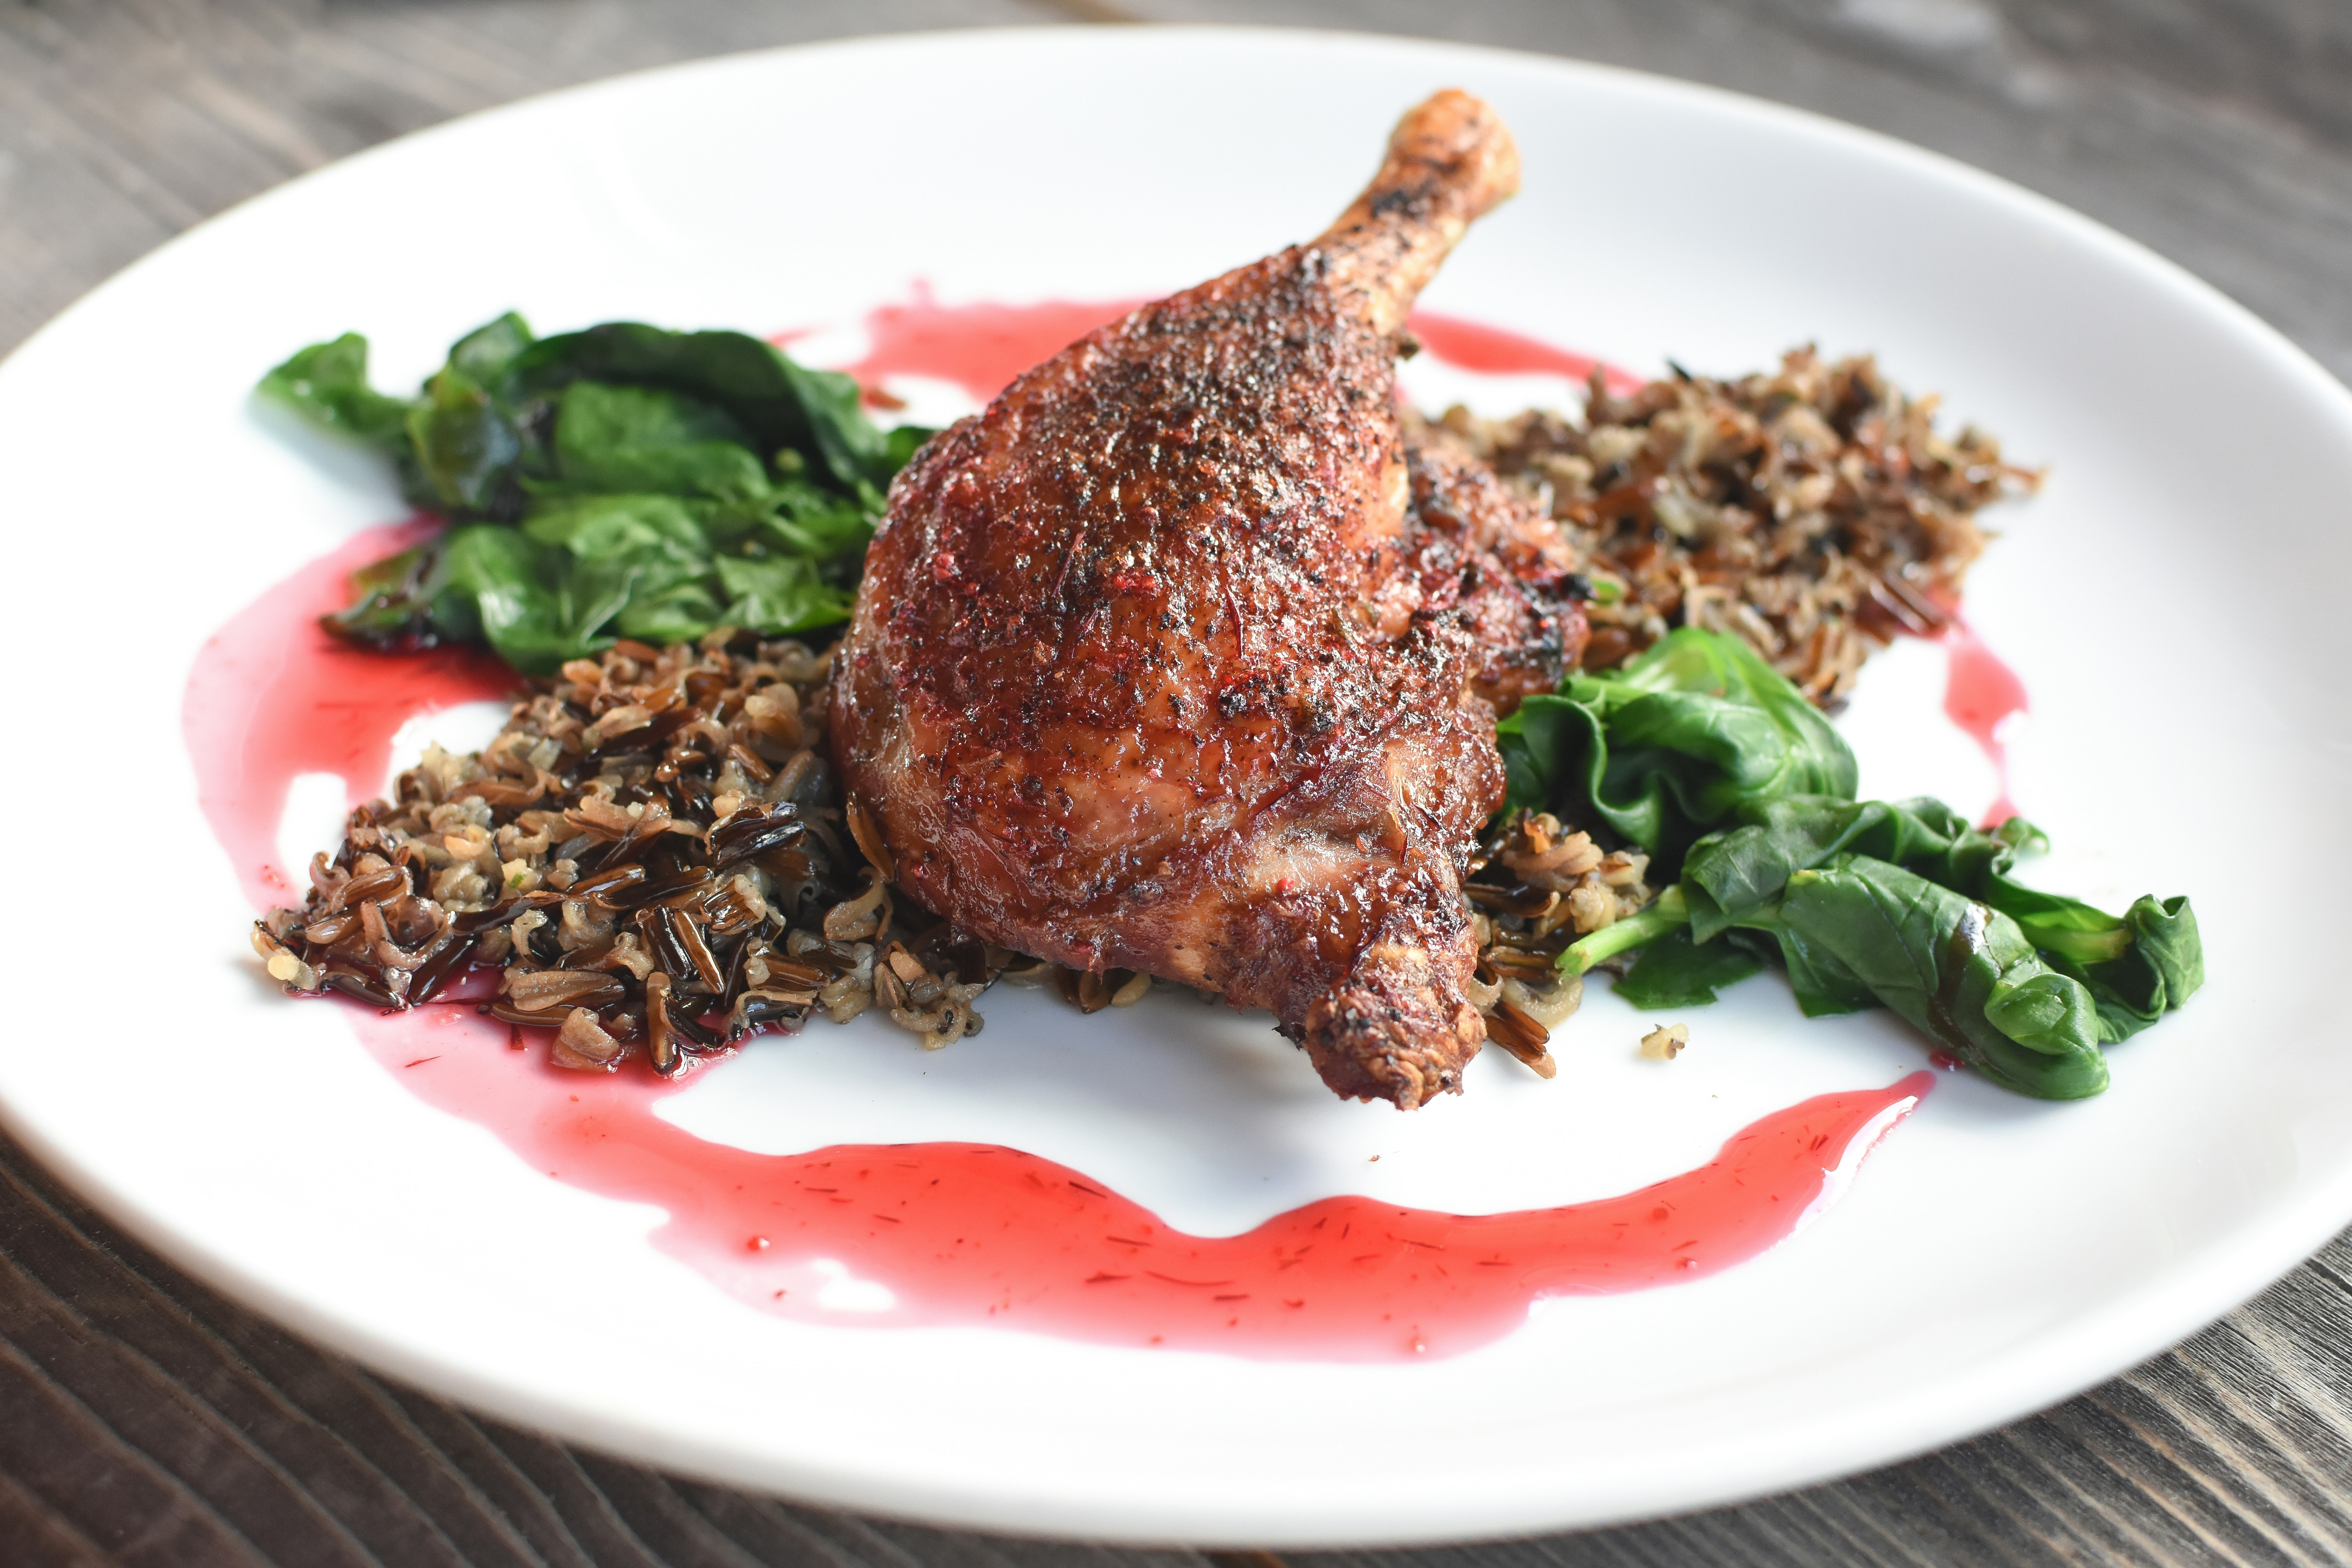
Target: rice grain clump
1814,511
1665,1043
655,856
1534,887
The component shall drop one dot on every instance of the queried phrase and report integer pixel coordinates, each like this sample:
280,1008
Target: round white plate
2173,601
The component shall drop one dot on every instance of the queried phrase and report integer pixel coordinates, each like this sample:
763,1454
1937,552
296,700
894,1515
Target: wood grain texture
144,1419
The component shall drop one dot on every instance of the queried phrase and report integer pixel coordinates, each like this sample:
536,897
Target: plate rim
2016,1382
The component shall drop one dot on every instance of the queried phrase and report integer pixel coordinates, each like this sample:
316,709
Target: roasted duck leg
1156,666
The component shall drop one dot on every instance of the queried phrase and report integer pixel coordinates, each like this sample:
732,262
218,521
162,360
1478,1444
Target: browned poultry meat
1483,550
1158,665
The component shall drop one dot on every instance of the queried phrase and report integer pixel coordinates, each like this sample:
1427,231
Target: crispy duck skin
1157,665
1487,553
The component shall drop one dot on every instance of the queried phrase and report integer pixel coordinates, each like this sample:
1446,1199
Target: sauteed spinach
1701,755
624,481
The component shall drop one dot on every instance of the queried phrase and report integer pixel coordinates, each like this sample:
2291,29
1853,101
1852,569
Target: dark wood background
144,1419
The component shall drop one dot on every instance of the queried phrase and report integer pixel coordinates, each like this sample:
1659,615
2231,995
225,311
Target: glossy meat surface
1156,666
1485,553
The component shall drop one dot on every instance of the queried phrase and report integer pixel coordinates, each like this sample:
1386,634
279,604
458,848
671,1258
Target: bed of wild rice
1814,510
655,856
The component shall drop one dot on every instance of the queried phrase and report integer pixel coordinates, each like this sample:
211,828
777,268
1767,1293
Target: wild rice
1814,511
1665,1042
653,854
1535,887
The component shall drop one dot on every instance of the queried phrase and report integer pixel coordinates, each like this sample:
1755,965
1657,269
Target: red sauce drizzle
982,345
964,1234
1493,350
1980,693
957,1233
273,695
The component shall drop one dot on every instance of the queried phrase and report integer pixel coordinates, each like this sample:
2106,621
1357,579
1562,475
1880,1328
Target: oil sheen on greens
621,481
1702,754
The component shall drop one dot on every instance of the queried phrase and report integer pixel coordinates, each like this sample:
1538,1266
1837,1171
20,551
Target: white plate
2172,601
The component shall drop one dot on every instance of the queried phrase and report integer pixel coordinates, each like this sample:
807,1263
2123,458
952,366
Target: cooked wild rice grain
1666,1043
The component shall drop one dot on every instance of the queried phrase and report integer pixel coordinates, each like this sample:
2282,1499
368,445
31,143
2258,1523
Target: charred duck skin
1158,665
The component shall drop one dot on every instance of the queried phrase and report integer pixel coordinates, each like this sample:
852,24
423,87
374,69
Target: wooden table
144,1419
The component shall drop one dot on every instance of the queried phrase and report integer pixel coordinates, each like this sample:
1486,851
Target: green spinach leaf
778,402
2135,967
805,520
466,445
1675,743
326,385
392,605
778,594
643,438
2163,966
1701,754
1957,970
1676,972
636,482
488,353
680,613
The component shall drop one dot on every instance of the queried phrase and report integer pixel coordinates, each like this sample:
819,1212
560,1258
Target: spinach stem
1634,930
